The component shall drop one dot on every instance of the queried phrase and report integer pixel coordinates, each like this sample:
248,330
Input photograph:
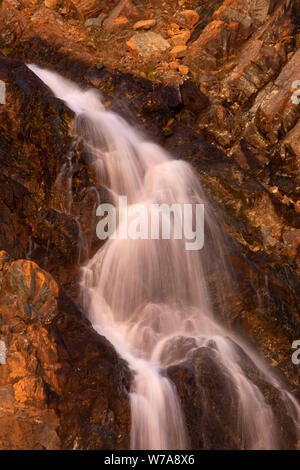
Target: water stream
149,296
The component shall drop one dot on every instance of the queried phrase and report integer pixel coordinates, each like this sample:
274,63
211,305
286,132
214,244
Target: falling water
150,298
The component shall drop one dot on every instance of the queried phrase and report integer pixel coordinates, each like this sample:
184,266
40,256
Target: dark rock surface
209,398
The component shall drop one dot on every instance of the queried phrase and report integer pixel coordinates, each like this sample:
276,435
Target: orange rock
174,28
181,39
119,23
51,3
4,258
30,3
190,17
30,390
183,69
209,41
144,24
123,7
173,65
274,190
273,113
178,52
30,283
38,364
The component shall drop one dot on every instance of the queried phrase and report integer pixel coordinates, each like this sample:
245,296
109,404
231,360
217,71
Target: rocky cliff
212,82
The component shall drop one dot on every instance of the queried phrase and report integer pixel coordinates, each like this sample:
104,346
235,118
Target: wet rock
60,232
209,404
193,98
44,35
210,400
218,122
29,184
147,44
248,145
61,381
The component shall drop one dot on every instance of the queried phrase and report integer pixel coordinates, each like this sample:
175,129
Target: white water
150,297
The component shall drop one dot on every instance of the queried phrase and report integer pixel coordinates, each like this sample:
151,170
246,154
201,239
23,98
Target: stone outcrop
63,385
36,218
211,405
230,114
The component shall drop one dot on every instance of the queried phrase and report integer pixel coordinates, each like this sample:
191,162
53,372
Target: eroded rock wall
224,104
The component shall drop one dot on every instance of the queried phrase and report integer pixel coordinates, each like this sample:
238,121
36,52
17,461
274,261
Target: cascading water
150,298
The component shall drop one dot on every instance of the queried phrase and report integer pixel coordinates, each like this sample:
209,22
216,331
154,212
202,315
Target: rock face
63,386
27,182
38,219
231,116
210,401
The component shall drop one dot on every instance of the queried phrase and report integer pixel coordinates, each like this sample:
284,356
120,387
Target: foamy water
145,296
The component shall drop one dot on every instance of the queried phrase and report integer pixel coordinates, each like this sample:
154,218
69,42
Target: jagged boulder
209,395
63,386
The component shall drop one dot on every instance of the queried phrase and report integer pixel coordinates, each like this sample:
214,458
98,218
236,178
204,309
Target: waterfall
150,298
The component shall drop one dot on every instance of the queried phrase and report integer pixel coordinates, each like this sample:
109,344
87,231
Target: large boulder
212,398
63,386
